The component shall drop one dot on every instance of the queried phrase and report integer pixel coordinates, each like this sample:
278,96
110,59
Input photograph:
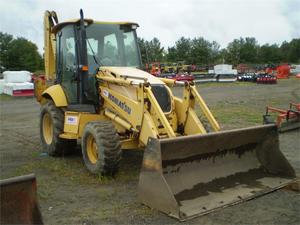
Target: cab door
67,63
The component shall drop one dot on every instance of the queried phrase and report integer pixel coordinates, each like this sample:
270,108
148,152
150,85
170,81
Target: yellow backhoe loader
95,92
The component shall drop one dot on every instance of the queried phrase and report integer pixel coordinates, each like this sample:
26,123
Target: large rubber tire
51,126
101,148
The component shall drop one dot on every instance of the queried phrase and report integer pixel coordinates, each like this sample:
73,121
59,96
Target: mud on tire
101,148
51,126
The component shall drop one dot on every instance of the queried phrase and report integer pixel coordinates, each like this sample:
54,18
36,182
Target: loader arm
213,122
130,113
190,95
159,112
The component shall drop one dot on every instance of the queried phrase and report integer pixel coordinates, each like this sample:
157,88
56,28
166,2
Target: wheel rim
47,128
91,148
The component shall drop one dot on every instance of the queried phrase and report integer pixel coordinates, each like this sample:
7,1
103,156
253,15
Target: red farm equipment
283,71
286,119
154,69
266,79
183,77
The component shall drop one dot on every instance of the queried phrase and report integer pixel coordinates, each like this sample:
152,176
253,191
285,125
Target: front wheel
101,148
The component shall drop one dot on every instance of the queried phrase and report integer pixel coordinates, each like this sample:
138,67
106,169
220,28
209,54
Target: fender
57,94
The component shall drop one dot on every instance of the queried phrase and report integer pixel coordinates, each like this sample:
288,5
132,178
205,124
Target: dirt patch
68,194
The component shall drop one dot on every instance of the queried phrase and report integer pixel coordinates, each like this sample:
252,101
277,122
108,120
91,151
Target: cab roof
59,26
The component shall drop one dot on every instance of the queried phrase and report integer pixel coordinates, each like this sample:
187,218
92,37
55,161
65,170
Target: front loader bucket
19,201
194,175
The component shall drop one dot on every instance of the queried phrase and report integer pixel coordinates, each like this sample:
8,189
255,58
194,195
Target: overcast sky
269,21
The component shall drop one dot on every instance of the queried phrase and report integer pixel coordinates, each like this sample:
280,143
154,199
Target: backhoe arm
50,20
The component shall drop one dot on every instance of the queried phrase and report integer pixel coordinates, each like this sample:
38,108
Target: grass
114,202
64,167
73,168
225,84
50,171
237,116
5,97
233,115
234,84
70,171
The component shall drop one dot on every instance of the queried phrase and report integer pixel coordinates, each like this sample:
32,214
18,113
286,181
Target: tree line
19,54
22,54
200,51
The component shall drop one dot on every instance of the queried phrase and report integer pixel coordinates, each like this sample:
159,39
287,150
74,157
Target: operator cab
78,61
112,45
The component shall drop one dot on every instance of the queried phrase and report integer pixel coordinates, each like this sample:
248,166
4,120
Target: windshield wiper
96,59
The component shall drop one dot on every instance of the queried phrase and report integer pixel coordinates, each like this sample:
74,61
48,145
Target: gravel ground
68,194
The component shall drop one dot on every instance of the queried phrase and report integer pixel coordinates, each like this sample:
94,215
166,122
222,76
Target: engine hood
133,74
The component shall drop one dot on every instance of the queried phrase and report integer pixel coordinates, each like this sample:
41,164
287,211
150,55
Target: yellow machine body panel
76,121
132,74
57,94
128,109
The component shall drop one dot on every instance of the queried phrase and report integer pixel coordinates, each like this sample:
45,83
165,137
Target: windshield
112,45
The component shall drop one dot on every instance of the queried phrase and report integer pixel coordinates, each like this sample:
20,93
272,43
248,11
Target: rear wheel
51,126
101,148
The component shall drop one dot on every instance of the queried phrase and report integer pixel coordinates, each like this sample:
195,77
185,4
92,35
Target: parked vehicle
246,77
266,79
